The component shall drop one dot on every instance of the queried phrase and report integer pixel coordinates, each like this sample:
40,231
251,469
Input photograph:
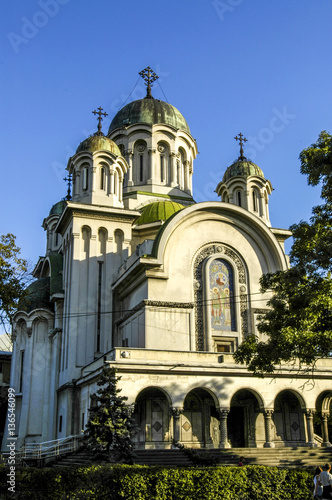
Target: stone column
120,189
173,157
268,425
310,428
129,155
151,178
223,414
325,429
176,412
111,184
186,165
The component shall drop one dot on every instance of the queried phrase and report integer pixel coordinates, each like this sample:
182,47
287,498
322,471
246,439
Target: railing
49,448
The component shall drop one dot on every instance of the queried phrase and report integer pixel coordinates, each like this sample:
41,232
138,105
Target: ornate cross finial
68,180
100,115
241,140
149,77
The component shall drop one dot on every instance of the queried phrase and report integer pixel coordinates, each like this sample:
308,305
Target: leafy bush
118,482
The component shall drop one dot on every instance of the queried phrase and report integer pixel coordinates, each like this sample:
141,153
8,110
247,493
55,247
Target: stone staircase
278,457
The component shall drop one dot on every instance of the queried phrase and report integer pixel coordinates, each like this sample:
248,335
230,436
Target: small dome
58,208
37,296
150,111
98,143
243,168
158,211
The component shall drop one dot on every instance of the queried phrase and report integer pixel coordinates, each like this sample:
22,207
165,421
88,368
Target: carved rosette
203,255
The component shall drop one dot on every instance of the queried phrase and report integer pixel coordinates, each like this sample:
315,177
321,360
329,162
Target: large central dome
150,111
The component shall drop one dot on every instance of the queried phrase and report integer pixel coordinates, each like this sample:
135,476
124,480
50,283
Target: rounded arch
152,388
102,239
254,392
293,392
118,240
323,402
201,388
86,236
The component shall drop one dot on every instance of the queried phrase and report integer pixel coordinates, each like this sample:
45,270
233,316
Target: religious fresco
221,292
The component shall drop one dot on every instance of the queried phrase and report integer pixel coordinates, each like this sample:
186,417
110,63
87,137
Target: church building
140,277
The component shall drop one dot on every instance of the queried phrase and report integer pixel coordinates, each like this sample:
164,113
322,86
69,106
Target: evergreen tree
110,427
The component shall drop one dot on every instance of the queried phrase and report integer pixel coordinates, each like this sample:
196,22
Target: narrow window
21,371
85,179
141,168
239,201
100,276
82,426
161,168
102,178
254,200
60,423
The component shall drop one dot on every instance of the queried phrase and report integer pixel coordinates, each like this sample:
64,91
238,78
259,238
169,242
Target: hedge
159,483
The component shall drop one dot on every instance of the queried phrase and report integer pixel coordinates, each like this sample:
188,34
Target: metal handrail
52,448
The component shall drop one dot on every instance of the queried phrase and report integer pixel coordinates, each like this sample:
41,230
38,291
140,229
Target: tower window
102,178
141,168
85,179
21,371
255,200
162,174
239,199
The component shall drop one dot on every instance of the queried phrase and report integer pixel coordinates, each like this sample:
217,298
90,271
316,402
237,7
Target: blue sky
251,66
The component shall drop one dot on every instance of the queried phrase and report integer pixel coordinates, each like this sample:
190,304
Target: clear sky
258,67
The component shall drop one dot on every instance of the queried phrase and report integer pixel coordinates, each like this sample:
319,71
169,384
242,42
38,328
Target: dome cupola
97,170
244,184
157,143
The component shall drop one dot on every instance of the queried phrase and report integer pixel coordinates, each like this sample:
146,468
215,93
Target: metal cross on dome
149,76
69,181
100,115
241,140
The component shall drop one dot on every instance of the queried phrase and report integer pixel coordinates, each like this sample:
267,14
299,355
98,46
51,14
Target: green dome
98,143
150,111
158,211
37,296
243,168
58,208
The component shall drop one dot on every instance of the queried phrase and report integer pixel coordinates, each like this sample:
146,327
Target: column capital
309,412
268,413
151,151
176,412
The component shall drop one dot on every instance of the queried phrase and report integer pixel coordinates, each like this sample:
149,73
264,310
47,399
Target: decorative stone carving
205,253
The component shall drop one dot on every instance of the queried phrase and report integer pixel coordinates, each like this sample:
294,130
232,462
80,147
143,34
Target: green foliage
298,327
160,483
13,277
110,426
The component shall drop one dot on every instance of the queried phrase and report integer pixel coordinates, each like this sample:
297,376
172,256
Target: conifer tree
111,426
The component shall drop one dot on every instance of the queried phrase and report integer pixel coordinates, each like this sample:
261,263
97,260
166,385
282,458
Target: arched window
119,237
221,310
239,198
102,237
86,234
102,178
255,200
85,179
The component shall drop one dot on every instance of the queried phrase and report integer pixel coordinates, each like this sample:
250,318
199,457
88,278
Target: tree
13,278
110,427
298,325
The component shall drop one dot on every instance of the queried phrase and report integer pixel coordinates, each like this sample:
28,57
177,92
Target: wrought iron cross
100,118
241,140
149,76
68,180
